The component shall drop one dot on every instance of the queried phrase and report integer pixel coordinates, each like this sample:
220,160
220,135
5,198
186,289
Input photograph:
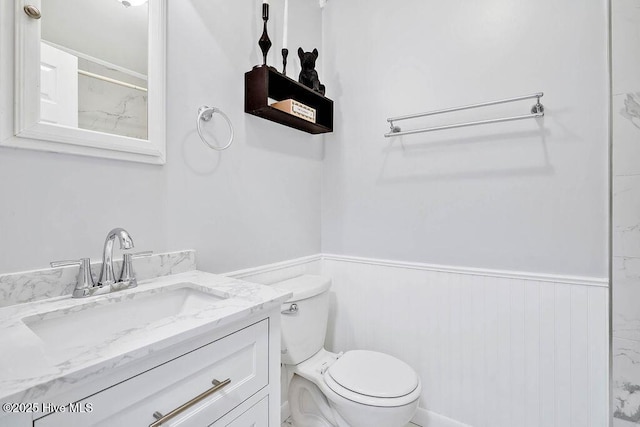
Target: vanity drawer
256,416
241,357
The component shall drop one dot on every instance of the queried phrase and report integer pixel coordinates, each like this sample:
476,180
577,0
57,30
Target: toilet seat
372,378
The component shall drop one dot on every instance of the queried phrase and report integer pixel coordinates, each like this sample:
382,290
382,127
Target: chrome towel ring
204,114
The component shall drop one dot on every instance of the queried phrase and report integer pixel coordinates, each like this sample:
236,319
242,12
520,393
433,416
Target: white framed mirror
90,78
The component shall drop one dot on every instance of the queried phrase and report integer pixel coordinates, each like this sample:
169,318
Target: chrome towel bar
536,111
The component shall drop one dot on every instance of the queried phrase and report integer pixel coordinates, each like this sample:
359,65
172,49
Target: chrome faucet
107,277
107,283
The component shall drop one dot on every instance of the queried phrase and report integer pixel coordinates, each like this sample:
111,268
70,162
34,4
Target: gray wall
256,203
520,196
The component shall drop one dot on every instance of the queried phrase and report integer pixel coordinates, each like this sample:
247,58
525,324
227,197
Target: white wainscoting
492,348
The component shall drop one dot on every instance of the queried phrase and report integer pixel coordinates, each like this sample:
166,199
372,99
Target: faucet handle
127,275
84,282
66,263
140,254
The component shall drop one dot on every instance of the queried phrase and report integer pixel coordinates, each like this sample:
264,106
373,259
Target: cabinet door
256,416
242,357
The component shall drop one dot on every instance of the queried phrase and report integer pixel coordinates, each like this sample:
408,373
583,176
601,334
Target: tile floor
289,423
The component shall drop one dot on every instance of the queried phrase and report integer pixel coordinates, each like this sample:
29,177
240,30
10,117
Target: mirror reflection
93,71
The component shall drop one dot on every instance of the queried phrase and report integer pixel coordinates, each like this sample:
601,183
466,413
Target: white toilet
354,389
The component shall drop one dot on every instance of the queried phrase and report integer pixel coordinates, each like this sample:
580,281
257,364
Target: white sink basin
118,320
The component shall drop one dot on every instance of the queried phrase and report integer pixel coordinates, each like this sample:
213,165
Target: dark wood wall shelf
266,82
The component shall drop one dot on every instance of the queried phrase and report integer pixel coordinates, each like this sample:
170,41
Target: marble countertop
31,371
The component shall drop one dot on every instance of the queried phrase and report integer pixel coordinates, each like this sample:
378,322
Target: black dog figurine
308,75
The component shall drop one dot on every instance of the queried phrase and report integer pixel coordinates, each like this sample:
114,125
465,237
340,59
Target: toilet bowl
358,388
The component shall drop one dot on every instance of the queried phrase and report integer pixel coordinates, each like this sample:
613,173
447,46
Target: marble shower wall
626,212
108,107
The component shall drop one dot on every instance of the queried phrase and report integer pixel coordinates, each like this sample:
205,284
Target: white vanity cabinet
191,349
242,357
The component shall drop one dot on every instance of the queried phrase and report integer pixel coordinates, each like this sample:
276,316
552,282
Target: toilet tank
304,329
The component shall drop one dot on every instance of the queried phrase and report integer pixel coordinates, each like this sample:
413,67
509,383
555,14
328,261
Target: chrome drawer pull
293,309
217,386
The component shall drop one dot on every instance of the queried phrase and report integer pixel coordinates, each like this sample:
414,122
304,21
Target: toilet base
310,407
314,404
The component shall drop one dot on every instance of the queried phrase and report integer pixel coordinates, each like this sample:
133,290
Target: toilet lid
373,374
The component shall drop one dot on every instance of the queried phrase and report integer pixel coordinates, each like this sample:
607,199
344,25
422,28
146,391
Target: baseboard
425,418
284,411
538,277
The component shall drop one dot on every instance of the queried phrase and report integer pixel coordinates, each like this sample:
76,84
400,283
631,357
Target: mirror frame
33,134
